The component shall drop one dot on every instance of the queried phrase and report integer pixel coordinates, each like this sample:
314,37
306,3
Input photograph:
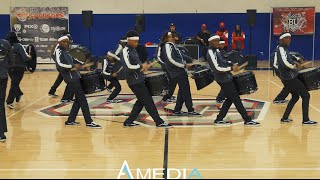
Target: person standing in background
223,34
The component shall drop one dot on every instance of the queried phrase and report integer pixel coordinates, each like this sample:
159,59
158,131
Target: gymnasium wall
112,18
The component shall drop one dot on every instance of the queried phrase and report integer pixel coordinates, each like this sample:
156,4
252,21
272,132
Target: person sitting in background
202,38
238,38
177,35
222,32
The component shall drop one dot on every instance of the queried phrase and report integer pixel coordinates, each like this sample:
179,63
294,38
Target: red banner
296,20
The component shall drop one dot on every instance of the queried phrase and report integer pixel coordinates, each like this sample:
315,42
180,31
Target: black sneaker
53,95
222,123
3,138
114,101
72,123
251,123
173,98
164,125
286,120
10,106
309,123
168,101
193,113
130,124
280,101
18,98
94,125
219,101
180,113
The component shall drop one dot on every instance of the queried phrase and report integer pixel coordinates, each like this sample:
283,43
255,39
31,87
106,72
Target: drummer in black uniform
288,74
133,68
221,97
111,76
6,57
177,67
17,68
65,65
222,74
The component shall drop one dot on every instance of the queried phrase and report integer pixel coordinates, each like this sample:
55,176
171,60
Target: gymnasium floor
40,146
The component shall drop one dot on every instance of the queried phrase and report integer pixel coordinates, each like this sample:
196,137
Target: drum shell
157,84
311,79
92,82
80,53
245,83
203,78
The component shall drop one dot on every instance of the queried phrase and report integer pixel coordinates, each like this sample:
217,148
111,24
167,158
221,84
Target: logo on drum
45,28
17,27
206,106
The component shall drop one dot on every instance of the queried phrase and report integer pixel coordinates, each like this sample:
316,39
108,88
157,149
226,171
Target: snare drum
310,78
157,83
245,83
92,82
80,53
203,78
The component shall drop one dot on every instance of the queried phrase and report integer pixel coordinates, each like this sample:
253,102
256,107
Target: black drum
296,56
92,82
157,83
203,78
31,65
236,57
80,53
310,78
245,83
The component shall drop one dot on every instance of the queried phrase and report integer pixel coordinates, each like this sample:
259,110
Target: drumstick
152,63
119,70
84,66
243,65
306,63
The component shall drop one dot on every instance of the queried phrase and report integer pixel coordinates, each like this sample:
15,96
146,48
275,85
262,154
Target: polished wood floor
42,147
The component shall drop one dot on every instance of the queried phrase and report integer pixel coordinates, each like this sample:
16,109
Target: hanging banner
296,20
39,26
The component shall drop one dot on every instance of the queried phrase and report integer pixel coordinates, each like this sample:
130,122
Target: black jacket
107,68
6,57
284,63
173,59
131,65
20,56
64,63
220,67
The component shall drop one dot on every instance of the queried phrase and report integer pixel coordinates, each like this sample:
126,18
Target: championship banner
296,20
39,26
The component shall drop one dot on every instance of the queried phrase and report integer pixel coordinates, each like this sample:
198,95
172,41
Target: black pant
184,94
283,94
297,88
3,120
80,102
144,99
56,84
116,91
110,85
171,86
68,93
232,95
221,96
16,75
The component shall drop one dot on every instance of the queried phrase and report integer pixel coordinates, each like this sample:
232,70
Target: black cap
132,33
172,24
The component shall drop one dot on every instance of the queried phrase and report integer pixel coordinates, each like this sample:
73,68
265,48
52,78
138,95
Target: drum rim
308,69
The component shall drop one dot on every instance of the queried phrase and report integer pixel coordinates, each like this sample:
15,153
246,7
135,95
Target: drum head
31,65
154,74
80,53
307,70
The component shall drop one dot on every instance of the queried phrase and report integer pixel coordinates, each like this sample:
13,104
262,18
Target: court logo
45,28
157,173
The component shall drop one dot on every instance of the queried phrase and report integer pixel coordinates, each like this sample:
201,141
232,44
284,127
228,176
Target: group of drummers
175,64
